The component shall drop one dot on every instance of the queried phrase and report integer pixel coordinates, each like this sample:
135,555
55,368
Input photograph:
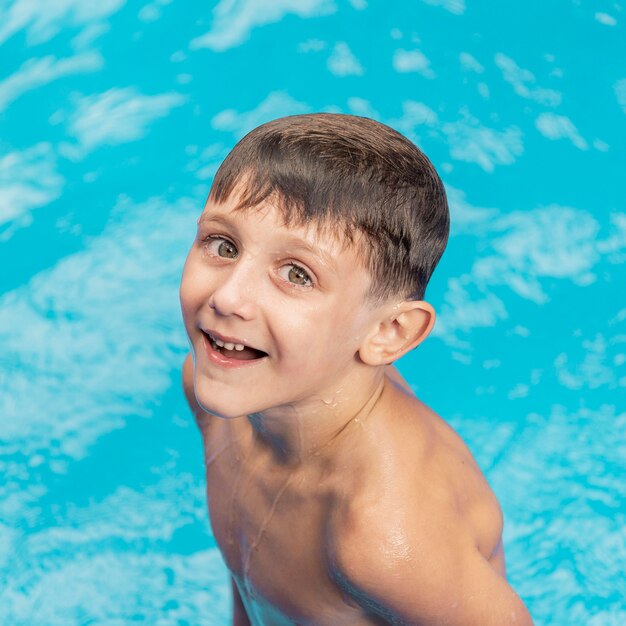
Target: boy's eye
296,275
222,247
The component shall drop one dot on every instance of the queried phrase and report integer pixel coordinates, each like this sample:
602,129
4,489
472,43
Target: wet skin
329,483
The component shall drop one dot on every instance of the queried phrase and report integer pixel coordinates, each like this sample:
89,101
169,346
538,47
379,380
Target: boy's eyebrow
216,217
297,243
291,241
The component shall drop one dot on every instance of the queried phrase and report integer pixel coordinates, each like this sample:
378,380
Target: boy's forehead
286,213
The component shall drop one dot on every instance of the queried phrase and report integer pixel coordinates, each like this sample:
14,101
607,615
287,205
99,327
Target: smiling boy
335,495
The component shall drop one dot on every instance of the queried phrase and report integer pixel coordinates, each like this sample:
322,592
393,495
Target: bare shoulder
422,543
424,572
448,473
419,565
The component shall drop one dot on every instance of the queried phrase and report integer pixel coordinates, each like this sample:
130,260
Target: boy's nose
235,293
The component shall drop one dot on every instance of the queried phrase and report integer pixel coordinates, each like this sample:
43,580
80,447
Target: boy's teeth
229,346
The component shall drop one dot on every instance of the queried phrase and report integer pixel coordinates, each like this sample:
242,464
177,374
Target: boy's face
295,299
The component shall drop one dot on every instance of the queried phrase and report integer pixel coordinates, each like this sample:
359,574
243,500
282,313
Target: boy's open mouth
238,351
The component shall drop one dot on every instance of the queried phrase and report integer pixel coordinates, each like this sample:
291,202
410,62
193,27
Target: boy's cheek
184,298
188,306
191,288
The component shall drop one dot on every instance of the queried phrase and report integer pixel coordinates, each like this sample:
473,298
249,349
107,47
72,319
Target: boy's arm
240,617
430,573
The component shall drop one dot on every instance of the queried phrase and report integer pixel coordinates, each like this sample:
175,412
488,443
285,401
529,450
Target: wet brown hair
355,178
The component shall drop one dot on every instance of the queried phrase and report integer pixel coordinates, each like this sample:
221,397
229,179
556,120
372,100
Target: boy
335,495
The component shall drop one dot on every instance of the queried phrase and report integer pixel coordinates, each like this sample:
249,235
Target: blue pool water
114,117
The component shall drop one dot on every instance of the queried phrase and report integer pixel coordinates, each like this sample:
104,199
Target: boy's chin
225,408
221,412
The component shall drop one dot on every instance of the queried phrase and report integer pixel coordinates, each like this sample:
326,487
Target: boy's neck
310,432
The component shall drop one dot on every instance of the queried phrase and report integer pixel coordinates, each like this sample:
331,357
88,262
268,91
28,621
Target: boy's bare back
395,520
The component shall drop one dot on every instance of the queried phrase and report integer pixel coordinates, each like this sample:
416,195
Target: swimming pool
114,117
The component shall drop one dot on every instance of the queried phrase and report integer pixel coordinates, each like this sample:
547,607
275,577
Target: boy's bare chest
271,529
257,513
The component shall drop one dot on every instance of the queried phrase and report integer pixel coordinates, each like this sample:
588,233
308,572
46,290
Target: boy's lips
230,351
213,334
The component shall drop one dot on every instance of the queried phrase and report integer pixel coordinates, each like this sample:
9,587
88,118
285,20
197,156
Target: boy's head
310,263
351,177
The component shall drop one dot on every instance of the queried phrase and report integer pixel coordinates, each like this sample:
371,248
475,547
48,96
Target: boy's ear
401,330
